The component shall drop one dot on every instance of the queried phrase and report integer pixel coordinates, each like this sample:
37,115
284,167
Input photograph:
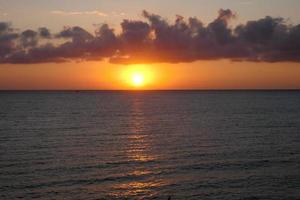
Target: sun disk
137,79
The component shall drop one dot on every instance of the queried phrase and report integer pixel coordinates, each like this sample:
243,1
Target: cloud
7,38
29,38
118,14
156,40
91,12
44,32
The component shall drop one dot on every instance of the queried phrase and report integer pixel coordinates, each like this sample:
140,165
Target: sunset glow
137,76
137,79
149,46
149,99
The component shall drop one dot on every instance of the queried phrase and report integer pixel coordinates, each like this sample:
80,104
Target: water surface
150,145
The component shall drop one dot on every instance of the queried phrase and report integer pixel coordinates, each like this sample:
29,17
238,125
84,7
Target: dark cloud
44,32
135,34
226,15
4,27
7,37
29,38
157,40
76,33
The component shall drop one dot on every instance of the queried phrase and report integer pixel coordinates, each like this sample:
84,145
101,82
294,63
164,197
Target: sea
134,145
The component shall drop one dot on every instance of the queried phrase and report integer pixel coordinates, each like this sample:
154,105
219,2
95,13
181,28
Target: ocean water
225,145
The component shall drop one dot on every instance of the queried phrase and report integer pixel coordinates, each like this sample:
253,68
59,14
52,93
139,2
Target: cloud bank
156,40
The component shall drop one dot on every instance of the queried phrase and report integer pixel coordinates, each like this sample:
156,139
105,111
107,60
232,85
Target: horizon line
141,90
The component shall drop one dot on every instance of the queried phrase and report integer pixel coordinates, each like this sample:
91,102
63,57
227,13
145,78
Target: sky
191,44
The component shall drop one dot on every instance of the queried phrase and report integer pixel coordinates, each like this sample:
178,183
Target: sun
138,79
138,76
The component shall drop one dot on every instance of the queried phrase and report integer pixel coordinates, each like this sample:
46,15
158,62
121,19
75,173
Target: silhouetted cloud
156,40
7,38
29,38
44,32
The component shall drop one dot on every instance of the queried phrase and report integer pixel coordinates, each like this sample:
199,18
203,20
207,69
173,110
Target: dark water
150,145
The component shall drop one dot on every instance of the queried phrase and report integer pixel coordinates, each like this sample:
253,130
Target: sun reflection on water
138,189
139,145
143,183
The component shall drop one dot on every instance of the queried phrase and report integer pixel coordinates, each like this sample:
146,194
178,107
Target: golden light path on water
139,151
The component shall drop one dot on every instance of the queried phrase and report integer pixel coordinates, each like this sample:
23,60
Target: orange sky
197,75
98,75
